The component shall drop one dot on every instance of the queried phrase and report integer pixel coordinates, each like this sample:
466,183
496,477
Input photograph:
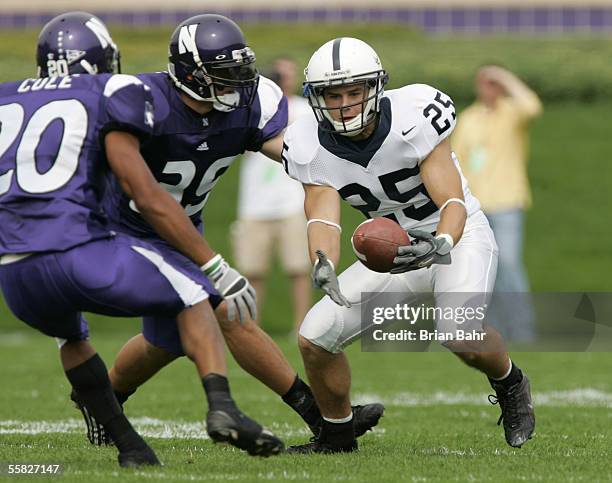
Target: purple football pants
161,329
117,276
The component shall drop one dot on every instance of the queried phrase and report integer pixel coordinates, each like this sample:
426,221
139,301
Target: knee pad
323,326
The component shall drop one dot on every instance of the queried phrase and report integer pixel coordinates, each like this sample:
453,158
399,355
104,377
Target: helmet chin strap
231,99
349,134
346,128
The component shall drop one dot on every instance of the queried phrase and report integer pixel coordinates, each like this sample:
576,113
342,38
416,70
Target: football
375,243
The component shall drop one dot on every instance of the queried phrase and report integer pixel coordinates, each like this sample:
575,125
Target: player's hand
423,252
324,277
234,288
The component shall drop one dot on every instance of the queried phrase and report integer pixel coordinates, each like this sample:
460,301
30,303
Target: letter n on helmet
209,60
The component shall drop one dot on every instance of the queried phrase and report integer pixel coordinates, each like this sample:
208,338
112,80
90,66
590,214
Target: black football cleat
333,438
235,428
138,458
365,417
516,411
95,431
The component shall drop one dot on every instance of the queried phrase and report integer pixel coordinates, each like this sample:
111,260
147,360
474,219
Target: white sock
341,420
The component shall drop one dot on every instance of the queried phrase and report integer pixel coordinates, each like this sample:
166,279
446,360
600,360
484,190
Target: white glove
233,287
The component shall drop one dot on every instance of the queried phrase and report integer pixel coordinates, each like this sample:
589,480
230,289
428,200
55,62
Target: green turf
434,442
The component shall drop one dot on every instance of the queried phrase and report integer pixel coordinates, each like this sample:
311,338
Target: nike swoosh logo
406,132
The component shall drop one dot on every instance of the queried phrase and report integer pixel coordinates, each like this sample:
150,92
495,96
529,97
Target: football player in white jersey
388,154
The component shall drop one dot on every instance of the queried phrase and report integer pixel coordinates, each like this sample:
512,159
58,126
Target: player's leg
293,249
330,378
146,353
252,348
203,344
326,330
88,376
137,361
38,292
137,279
473,271
257,353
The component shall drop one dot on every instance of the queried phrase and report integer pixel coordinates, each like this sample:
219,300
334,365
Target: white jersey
380,176
266,192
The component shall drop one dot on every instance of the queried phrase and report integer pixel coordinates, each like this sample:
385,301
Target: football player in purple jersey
211,105
59,257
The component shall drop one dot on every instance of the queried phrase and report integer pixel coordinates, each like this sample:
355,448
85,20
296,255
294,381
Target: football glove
423,252
324,277
234,288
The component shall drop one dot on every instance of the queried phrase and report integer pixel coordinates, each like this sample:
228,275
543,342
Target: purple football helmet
76,43
210,61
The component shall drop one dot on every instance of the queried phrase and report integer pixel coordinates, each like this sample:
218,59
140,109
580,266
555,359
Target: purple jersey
52,163
189,152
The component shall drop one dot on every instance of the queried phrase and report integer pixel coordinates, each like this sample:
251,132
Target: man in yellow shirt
491,142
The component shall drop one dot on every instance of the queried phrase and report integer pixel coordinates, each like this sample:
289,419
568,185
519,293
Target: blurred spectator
491,142
271,211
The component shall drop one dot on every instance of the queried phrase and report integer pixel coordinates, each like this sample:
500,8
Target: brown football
375,243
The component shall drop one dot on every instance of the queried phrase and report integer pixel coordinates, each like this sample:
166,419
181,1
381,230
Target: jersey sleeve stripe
119,81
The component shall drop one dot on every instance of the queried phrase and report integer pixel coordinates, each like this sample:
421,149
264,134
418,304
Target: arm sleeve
297,170
437,114
273,116
128,106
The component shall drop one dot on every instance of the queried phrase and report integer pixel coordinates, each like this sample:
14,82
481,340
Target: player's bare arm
154,203
322,207
168,218
443,183
273,147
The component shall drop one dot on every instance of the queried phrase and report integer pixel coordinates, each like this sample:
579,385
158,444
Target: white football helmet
344,61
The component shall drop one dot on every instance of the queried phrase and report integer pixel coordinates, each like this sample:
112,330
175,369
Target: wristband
211,265
453,200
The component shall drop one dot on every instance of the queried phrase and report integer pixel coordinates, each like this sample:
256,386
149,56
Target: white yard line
165,429
583,397
147,427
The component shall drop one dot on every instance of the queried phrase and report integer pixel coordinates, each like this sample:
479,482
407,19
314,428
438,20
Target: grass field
438,425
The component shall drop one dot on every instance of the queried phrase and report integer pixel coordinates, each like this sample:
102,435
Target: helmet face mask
339,123
345,62
210,61
76,43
